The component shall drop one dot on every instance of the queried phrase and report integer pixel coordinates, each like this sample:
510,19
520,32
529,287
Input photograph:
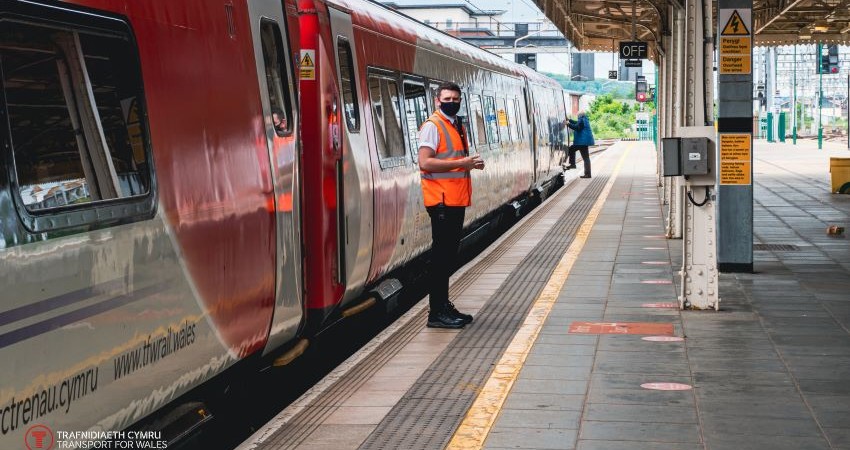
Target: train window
276,81
513,118
387,116
503,120
432,91
490,118
477,120
463,116
416,112
75,111
349,88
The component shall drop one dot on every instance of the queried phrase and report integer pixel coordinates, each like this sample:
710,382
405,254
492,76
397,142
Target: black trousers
446,229
585,156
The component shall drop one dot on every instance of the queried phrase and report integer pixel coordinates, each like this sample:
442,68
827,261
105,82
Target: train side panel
111,309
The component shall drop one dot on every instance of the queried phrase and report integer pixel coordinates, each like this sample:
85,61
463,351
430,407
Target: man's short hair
448,85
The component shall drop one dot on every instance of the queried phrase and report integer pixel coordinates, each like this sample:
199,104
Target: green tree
611,118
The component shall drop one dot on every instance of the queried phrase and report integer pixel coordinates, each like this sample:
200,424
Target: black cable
691,198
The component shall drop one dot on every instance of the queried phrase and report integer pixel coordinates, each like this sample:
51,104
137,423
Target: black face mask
450,108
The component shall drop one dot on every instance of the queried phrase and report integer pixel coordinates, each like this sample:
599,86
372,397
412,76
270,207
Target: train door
276,83
354,177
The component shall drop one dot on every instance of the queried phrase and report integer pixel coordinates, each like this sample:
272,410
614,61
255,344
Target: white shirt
428,134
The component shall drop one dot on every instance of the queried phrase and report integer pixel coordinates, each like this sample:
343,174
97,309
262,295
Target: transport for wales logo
39,437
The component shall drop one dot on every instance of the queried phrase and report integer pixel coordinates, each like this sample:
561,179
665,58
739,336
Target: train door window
513,118
477,120
386,113
349,89
503,120
463,116
416,112
490,120
432,90
75,113
276,79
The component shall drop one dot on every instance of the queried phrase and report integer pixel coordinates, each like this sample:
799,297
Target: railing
500,29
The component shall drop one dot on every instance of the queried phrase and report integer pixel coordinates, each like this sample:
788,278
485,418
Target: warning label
735,26
735,64
502,117
735,46
735,159
307,65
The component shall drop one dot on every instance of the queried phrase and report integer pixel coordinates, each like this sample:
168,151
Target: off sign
633,50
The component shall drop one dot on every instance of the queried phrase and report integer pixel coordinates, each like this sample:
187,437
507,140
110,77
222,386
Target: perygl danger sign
735,41
307,64
736,158
735,26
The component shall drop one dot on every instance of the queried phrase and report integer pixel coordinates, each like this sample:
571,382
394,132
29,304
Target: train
193,187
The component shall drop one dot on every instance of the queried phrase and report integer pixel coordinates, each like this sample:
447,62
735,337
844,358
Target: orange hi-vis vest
453,188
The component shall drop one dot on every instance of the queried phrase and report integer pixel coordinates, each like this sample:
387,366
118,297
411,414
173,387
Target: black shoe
467,318
571,166
444,319
585,176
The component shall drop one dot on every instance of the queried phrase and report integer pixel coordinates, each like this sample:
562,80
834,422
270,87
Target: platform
558,355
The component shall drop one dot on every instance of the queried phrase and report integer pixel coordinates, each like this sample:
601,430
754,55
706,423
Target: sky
522,11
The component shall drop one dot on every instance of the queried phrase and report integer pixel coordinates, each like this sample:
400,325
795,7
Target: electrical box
672,163
694,156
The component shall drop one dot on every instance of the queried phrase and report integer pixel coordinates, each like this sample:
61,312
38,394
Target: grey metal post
735,115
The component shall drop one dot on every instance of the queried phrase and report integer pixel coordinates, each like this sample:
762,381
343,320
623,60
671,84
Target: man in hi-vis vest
444,165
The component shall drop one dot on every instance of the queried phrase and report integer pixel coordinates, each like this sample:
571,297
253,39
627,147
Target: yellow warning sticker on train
736,158
735,26
502,118
307,64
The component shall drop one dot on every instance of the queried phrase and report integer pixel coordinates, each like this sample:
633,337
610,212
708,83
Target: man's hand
473,162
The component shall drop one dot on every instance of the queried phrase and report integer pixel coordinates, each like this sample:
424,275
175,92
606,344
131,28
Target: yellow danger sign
735,64
736,158
307,64
735,45
735,26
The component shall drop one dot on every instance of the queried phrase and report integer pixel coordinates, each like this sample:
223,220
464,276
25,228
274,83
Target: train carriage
189,188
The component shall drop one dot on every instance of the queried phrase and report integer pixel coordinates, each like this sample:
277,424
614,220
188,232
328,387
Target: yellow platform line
475,427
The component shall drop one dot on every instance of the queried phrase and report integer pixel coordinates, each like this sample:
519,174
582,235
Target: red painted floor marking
660,305
655,248
663,339
667,386
622,328
655,263
657,282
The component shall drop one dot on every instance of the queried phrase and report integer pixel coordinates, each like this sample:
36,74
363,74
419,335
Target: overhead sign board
634,63
634,50
735,43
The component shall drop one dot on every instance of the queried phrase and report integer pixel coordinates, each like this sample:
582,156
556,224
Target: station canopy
593,25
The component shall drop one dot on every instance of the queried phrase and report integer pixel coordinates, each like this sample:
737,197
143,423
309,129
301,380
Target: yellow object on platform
839,169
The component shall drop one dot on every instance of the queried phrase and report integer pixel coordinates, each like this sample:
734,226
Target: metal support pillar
675,214
735,125
820,96
794,117
699,256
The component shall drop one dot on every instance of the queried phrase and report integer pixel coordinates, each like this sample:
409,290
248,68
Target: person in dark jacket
582,139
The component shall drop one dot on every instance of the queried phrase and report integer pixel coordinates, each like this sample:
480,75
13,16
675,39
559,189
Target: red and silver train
190,186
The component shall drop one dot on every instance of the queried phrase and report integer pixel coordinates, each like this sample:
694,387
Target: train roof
403,27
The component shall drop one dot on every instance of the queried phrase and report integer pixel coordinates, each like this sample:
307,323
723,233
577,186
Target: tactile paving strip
306,422
428,414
